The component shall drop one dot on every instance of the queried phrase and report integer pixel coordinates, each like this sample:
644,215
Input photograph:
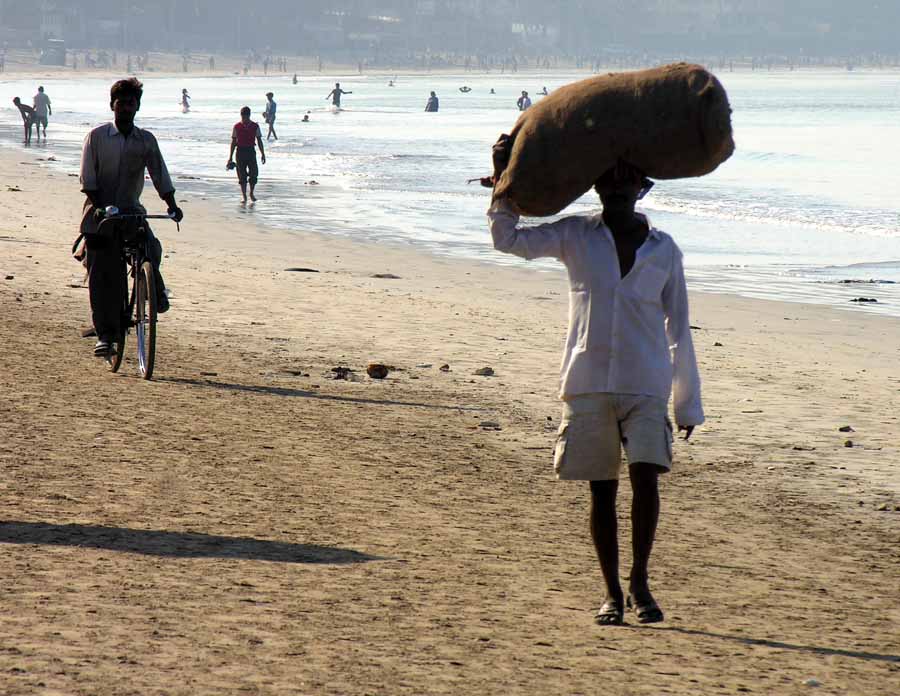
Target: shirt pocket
649,282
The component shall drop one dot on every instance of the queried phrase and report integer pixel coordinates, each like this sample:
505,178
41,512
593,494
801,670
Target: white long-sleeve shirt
626,335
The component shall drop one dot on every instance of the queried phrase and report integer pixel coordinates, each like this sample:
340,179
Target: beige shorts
595,428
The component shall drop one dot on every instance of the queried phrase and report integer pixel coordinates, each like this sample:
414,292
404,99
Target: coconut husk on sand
670,122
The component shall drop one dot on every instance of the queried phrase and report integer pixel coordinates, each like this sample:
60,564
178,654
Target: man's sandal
610,614
647,612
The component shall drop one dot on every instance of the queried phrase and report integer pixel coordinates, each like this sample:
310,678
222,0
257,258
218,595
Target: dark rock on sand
377,370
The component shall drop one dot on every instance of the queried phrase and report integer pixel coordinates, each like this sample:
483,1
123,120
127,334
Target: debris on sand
386,276
300,269
444,368
484,372
342,373
377,370
864,299
849,443
846,429
489,425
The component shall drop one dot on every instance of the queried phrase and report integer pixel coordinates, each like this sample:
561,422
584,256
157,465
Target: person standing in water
269,115
185,101
42,111
432,104
27,113
245,138
524,101
335,95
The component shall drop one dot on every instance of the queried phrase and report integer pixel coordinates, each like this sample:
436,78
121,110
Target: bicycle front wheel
145,319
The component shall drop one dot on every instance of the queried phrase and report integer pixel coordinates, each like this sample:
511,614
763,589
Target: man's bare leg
243,192
604,532
644,518
252,194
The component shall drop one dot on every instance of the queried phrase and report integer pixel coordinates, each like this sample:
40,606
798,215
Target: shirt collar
653,234
112,131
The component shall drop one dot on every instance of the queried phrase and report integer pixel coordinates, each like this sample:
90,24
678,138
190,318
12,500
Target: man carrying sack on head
628,306
629,345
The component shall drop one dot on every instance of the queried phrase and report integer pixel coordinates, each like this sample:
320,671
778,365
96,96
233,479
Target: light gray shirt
626,335
41,104
112,166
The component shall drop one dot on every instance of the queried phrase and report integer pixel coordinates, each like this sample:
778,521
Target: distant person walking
245,137
269,115
432,104
524,101
185,101
335,95
27,113
42,112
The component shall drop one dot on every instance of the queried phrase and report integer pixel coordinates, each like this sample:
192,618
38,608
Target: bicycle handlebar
111,212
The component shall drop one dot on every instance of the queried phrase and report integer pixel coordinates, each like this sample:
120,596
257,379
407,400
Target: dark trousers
108,281
247,168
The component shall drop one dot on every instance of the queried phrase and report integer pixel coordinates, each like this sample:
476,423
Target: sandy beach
245,524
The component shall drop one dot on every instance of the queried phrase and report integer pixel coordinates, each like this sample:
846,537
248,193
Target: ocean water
807,203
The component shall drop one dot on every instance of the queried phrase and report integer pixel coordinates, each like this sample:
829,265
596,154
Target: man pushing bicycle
112,174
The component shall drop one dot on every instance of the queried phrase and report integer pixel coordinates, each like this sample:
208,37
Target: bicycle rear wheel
145,319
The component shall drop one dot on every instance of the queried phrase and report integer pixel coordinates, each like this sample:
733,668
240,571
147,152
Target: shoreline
778,282
21,64
245,523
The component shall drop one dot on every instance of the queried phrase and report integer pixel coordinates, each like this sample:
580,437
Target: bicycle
139,308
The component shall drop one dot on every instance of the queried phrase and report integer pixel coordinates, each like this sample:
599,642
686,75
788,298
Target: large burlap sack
670,122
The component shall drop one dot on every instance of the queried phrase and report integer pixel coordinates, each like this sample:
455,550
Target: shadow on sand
304,394
838,652
152,542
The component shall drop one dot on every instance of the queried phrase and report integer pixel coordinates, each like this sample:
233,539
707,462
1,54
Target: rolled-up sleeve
89,165
540,241
156,165
685,375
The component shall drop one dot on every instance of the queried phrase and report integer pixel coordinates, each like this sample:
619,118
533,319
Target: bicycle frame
139,307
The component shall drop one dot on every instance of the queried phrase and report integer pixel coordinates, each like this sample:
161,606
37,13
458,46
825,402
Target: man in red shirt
245,138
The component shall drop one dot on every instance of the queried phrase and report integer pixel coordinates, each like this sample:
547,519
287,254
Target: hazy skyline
369,28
